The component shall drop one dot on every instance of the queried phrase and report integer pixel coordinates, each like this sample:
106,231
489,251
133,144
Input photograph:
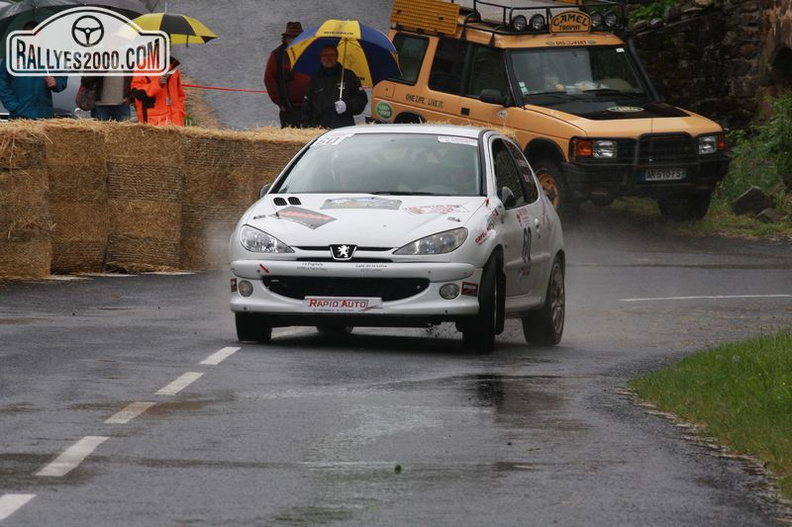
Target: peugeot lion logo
342,252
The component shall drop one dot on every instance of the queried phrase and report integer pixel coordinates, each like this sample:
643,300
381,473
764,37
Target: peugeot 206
402,226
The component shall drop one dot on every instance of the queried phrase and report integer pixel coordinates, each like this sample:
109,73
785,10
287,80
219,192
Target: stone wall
720,58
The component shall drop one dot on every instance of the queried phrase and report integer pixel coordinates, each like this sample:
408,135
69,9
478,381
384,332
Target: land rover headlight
711,144
538,22
611,19
596,20
258,241
440,243
519,23
595,148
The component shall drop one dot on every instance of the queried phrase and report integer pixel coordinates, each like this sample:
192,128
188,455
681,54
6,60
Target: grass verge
719,221
740,394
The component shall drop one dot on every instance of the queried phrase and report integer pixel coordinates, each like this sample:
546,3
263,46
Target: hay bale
20,147
205,233
76,184
79,236
143,144
150,226
134,254
25,224
79,145
138,181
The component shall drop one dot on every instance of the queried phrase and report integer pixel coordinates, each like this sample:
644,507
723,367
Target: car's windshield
575,70
405,164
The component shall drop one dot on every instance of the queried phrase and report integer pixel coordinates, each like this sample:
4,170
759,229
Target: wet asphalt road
310,432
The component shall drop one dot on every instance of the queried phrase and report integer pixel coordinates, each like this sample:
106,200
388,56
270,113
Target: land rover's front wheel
549,175
683,207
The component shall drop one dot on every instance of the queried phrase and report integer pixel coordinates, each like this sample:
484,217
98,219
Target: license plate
334,304
665,174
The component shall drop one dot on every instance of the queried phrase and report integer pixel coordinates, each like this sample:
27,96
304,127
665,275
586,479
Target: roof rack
560,16
497,17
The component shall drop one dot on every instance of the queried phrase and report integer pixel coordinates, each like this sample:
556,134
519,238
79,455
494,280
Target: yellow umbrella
362,49
182,29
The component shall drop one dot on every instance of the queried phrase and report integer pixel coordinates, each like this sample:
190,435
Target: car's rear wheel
546,326
478,332
252,327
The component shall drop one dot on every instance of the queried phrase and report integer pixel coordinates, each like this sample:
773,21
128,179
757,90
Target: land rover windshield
553,76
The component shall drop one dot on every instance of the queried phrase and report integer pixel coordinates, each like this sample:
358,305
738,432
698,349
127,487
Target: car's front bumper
281,289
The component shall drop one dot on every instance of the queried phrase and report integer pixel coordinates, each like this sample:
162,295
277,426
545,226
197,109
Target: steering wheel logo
88,31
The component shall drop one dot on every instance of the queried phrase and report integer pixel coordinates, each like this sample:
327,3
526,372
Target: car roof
472,132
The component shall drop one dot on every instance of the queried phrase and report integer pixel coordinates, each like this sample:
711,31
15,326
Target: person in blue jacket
28,97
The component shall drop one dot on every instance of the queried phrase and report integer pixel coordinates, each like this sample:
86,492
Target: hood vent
279,202
295,201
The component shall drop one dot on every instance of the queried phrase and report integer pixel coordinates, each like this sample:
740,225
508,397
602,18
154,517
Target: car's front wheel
683,207
252,327
546,326
478,332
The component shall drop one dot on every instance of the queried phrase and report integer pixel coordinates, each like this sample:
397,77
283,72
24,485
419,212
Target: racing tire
545,326
252,327
555,187
478,332
685,207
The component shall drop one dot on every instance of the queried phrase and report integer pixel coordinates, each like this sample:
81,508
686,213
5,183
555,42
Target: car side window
526,174
412,50
447,66
507,174
487,71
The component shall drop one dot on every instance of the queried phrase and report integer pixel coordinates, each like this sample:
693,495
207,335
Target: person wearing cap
285,87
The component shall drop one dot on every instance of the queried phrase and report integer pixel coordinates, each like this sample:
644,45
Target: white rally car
402,226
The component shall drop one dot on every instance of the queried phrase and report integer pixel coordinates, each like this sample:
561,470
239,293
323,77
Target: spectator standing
285,87
29,97
335,95
160,100
112,97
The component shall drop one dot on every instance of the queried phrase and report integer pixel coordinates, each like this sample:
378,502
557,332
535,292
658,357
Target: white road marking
216,358
72,457
179,384
714,297
10,503
127,414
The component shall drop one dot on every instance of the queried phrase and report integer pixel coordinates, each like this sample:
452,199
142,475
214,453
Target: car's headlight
258,241
711,144
595,148
440,243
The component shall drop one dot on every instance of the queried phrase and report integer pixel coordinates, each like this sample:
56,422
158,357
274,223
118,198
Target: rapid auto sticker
435,209
362,203
308,218
329,304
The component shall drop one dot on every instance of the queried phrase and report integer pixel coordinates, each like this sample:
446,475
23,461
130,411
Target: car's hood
360,219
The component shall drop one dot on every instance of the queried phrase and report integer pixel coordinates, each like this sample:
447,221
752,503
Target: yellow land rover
576,95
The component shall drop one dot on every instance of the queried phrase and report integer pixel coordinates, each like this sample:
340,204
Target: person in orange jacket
160,100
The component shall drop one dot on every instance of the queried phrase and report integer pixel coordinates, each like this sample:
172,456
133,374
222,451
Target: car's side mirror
264,190
507,197
492,96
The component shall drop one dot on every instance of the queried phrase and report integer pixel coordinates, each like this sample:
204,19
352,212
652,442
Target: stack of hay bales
224,172
78,195
25,223
144,189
